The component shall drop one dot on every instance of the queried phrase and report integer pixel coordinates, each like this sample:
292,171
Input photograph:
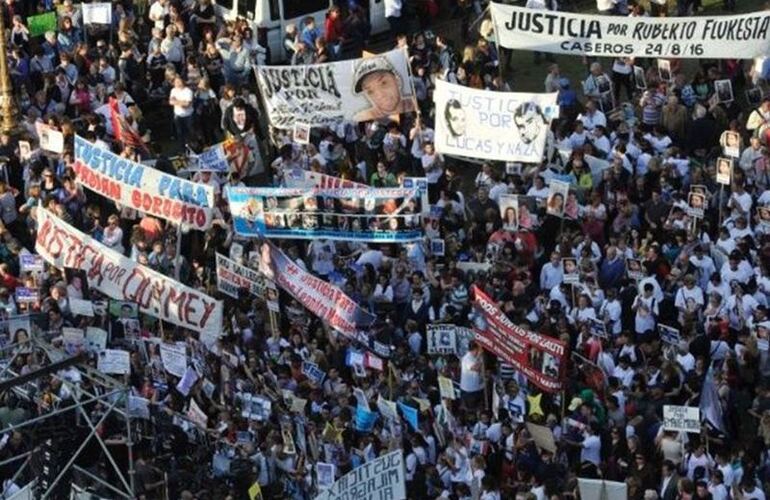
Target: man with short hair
181,98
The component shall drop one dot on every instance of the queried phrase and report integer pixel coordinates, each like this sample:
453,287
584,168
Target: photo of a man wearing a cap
376,79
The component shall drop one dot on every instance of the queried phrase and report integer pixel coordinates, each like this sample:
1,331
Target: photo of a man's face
455,118
382,90
530,121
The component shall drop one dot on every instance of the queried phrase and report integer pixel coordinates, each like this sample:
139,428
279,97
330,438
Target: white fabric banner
143,188
706,37
325,94
97,13
383,477
505,126
120,278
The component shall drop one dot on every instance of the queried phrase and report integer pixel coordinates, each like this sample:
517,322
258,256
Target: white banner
143,188
305,179
602,490
232,276
681,418
717,37
114,361
383,477
505,126
121,278
97,13
325,94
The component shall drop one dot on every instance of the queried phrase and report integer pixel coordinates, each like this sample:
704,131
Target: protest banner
96,339
505,126
383,477
73,339
232,276
174,359
373,214
26,295
325,475
669,334
186,383
305,179
80,307
38,25
120,278
442,339
97,13
50,139
538,357
213,159
143,188
114,361
312,372
196,415
323,299
681,418
702,37
325,94
30,262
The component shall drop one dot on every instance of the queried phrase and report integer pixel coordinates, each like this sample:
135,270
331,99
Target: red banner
538,357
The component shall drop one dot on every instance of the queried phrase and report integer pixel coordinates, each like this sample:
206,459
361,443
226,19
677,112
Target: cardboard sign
442,339
681,418
114,361
174,359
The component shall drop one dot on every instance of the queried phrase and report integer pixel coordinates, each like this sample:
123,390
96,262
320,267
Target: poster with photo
597,328
696,204
302,132
754,96
724,91
664,70
527,211
724,171
731,143
764,216
437,247
570,269
640,81
557,198
509,212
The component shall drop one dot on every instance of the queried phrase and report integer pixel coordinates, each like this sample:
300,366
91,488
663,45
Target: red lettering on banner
174,298
207,310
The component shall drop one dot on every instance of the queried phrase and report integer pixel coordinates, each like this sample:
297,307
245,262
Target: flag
365,419
410,415
122,130
710,405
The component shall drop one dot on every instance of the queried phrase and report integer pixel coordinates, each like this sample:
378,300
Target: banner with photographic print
538,357
372,214
505,126
306,179
324,94
702,37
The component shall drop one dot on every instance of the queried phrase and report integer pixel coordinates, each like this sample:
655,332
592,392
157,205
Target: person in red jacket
334,31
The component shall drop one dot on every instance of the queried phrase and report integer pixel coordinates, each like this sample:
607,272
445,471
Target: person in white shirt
739,202
471,383
689,299
646,309
181,98
551,274
393,15
538,190
623,371
592,117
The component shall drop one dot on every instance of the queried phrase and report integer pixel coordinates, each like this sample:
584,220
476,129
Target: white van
269,18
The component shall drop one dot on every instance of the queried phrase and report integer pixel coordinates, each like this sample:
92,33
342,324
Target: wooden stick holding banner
721,202
484,380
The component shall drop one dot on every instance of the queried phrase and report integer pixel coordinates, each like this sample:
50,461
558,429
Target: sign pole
721,191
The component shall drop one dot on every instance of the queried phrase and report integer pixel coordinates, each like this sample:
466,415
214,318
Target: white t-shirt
591,451
184,94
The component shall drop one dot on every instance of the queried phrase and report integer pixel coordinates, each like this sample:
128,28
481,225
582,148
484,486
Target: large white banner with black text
706,37
506,126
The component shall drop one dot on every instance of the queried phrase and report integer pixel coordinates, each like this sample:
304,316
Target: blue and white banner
143,188
373,214
214,159
505,126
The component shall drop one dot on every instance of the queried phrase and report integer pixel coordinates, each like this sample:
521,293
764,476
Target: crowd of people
643,258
